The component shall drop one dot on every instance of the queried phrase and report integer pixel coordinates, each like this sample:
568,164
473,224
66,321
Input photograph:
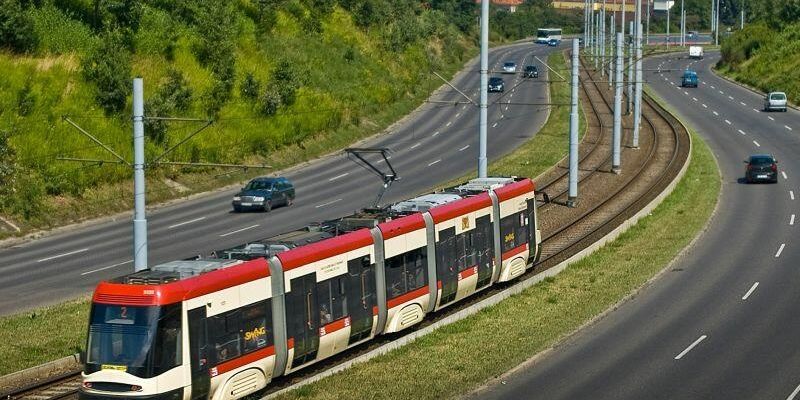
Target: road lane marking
791,194
791,220
464,107
730,97
506,108
63,255
742,132
787,127
494,125
712,86
463,148
773,119
796,390
715,113
691,346
694,98
685,92
756,143
784,174
458,115
742,103
780,250
434,162
756,110
239,230
705,106
727,122
749,292
415,146
721,92
328,203
435,133
449,123
347,173
186,222
105,268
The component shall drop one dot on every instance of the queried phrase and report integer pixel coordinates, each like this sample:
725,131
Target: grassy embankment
764,58
552,309
353,79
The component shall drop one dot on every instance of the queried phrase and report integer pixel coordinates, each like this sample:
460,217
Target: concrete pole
716,25
617,134
573,130
139,218
713,16
683,26
585,23
637,105
648,21
611,50
484,88
603,39
597,39
622,23
669,9
629,83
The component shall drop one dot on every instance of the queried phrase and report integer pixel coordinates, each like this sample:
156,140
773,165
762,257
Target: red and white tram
223,328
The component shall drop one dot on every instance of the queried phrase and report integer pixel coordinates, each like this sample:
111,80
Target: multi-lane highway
722,324
436,143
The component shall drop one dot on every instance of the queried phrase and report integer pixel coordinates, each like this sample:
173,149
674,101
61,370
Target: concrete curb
516,289
33,374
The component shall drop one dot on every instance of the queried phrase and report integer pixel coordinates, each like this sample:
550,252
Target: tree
174,95
216,20
108,66
16,27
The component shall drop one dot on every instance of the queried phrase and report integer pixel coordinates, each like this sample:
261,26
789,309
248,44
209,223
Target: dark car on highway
553,42
761,168
496,84
531,71
263,194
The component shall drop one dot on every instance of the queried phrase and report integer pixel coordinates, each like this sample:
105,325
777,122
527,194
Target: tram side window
406,272
513,231
256,320
224,334
446,252
332,297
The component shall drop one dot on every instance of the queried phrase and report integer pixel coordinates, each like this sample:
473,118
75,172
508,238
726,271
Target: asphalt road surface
435,144
723,322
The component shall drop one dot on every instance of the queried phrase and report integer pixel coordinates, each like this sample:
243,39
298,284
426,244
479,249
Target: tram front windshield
144,341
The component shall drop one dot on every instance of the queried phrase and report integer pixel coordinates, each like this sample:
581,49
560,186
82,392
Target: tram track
584,225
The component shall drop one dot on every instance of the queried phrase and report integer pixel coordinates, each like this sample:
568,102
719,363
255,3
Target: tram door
530,215
446,268
198,349
484,249
361,291
302,315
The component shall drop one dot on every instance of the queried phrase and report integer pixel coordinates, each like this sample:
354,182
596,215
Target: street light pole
484,117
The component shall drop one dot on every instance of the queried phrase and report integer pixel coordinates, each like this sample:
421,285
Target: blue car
264,194
553,42
689,78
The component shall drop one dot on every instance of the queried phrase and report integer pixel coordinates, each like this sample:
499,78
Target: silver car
509,67
775,101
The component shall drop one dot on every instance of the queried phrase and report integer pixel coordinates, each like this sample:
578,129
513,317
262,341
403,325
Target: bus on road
543,35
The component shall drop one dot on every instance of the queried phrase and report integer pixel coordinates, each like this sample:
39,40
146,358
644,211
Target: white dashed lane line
449,123
794,393
784,174
756,143
721,92
463,148
494,124
742,103
716,113
791,220
685,92
105,268
705,106
730,97
712,86
415,146
458,115
742,132
756,110
186,222
691,346
787,127
780,250
727,122
63,255
791,194
435,133
694,98
347,173
244,229
749,292
435,162
771,119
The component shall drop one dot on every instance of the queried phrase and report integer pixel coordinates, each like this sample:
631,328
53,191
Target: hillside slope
283,81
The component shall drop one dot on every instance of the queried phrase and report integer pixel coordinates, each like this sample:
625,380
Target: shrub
26,99
249,87
8,167
269,102
108,66
16,27
216,20
59,33
286,82
174,95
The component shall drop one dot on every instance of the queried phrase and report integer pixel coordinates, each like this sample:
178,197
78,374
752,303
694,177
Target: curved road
722,324
434,144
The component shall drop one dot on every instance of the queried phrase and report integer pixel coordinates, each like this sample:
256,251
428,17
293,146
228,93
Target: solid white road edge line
239,230
691,346
749,292
186,222
63,255
780,250
105,268
796,390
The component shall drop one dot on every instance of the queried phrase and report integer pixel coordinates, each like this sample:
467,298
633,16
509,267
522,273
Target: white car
775,101
509,67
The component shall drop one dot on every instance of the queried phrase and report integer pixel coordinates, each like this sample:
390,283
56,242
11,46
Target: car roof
752,156
269,179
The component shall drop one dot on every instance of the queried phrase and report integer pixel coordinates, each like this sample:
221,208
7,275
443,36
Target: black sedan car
496,84
761,168
531,71
263,194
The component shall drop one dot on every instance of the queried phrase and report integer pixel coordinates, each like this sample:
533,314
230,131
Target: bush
59,33
216,22
249,87
16,27
269,102
26,99
8,167
286,82
174,95
108,66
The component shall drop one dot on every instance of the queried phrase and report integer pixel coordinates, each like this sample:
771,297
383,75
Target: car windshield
495,81
259,185
509,64
761,161
144,341
530,68
777,96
